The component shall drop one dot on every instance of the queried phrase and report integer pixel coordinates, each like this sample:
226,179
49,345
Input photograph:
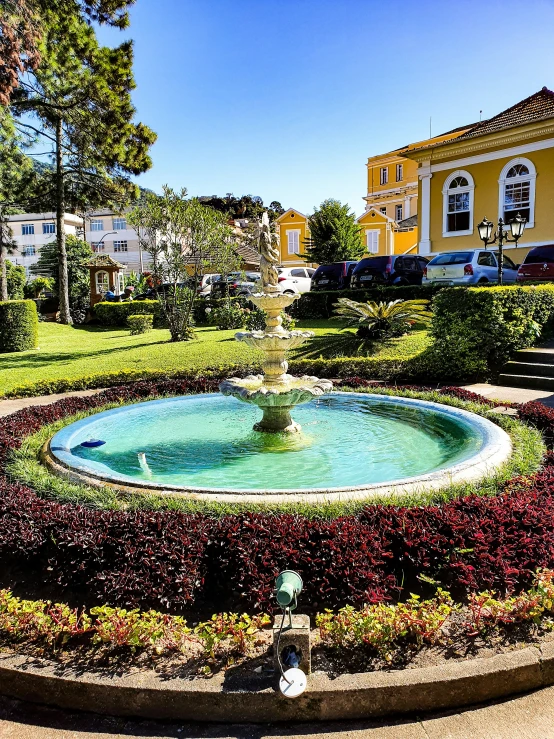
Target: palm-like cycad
383,320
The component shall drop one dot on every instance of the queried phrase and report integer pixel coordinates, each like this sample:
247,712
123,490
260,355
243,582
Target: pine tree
80,97
334,234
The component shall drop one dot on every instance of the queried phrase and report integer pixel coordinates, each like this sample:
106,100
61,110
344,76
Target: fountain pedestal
274,391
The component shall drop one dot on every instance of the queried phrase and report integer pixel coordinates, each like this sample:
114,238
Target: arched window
517,191
458,204
102,282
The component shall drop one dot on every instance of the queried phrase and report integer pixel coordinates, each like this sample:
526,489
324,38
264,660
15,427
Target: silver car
472,267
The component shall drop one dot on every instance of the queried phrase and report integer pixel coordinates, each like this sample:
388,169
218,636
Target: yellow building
293,231
496,168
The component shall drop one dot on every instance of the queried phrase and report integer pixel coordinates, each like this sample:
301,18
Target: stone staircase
530,368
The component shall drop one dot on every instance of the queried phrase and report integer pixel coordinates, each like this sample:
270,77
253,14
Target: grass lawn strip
73,358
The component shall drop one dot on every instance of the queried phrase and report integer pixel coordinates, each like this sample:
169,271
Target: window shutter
372,241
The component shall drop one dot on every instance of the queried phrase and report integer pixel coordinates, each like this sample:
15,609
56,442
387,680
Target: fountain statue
274,391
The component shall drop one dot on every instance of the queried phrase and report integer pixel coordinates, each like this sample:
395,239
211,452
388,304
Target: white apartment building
31,231
107,232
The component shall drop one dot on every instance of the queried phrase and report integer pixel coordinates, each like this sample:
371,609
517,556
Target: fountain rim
495,451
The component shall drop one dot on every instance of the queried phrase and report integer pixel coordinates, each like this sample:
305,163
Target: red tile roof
536,107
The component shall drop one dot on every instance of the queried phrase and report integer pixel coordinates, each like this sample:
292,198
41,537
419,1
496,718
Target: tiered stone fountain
274,391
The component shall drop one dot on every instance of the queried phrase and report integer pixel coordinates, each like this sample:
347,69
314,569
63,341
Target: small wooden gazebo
105,274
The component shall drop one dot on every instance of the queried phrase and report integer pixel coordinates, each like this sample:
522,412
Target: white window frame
531,178
372,248
383,211
120,246
396,207
97,246
96,224
99,291
48,229
293,248
446,191
384,176
29,251
27,229
399,171
117,223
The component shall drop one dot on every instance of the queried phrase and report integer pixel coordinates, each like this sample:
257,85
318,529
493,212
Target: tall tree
16,174
334,234
80,98
182,238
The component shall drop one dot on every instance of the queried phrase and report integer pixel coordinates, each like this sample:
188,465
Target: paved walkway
11,406
527,717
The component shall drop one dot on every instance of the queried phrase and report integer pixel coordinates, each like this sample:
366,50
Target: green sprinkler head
287,588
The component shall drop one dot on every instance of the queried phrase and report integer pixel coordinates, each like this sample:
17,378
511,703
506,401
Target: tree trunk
3,268
63,280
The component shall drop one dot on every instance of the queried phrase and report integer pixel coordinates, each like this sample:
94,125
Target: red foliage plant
175,560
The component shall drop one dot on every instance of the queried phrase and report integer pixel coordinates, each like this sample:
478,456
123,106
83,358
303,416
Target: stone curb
230,698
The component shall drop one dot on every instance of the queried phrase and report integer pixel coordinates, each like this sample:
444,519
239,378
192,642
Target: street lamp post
108,233
517,227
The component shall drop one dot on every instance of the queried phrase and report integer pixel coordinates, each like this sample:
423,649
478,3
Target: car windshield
542,254
329,270
461,257
378,263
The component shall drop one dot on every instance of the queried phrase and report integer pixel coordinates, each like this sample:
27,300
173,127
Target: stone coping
228,697
495,450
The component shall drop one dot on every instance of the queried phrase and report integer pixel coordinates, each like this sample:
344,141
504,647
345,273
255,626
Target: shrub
117,314
228,316
321,304
18,325
378,321
477,330
140,324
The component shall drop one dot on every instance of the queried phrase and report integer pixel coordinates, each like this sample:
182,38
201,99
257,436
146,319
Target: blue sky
287,98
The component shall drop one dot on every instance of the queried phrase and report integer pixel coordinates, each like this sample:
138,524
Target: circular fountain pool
352,445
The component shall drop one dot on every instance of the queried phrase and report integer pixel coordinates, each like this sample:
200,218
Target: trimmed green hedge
117,314
140,323
320,304
475,331
18,325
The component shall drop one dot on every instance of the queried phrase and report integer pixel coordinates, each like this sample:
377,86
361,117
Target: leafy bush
321,304
378,321
18,325
476,330
228,316
117,314
140,324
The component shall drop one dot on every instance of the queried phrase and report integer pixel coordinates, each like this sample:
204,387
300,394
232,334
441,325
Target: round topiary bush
18,325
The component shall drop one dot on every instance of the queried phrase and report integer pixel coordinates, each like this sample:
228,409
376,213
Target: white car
205,286
472,267
295,280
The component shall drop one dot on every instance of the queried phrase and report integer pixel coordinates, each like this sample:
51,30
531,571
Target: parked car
295,280
335,276
205,287
476,266
152,292
396,269
538,265
239,283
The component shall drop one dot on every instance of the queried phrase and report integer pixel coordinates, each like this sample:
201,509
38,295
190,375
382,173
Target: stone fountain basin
290,392
493,450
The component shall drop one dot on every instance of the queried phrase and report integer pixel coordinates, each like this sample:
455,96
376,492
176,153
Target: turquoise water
207,441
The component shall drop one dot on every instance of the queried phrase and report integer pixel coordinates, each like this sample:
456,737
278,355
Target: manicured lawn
67,352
